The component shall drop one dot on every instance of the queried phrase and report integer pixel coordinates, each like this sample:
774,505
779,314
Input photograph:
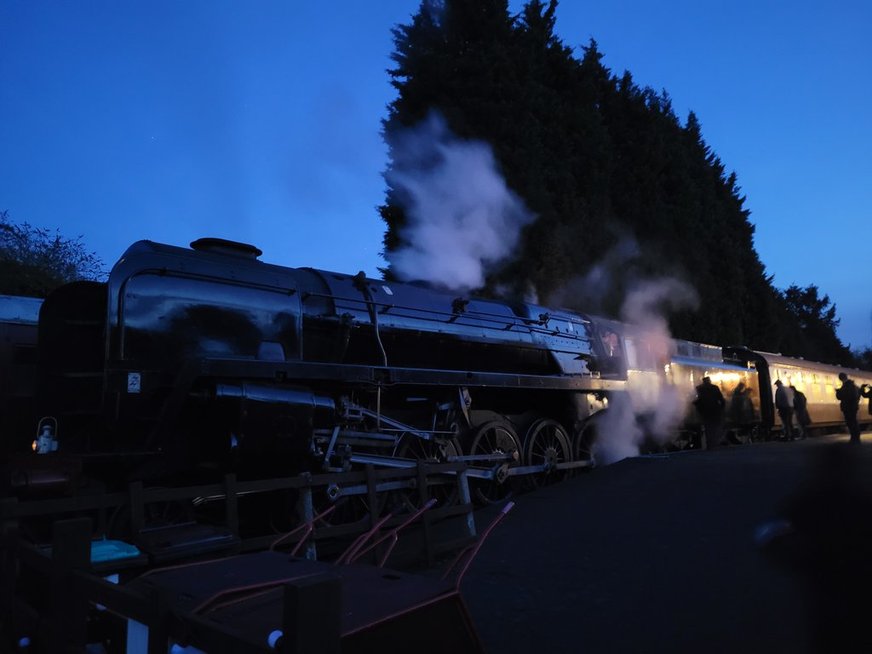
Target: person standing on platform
741,411
800,410
710,404
849,401
866,391
784,404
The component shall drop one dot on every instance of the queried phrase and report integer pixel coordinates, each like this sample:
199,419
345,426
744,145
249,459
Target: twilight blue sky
260,122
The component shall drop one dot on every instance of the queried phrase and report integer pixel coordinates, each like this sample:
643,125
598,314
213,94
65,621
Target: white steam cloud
462,219
652,408
589,293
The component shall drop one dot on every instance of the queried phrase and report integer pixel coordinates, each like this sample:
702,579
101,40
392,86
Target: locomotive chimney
223,246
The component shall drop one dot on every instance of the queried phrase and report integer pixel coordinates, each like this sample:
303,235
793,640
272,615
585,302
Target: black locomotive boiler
207,359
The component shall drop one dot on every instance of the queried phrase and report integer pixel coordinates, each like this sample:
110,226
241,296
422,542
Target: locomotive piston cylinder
324,407
275,418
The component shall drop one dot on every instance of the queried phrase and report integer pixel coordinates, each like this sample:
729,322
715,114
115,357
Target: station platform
687,552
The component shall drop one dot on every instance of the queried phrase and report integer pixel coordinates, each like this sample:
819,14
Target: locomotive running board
377,375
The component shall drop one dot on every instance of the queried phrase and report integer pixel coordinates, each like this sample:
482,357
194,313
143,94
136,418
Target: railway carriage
738,383
818,381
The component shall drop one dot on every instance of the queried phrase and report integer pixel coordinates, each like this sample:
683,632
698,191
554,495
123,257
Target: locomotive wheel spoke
495,437
546,443
584,443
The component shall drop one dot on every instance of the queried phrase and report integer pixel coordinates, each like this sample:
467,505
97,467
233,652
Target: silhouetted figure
800,410
866,391
741,411
710,404
784,404
612,361
610,343
849,401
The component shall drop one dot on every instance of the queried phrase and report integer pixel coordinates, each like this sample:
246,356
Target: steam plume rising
591,292
462,220
654,409
651,408
646,305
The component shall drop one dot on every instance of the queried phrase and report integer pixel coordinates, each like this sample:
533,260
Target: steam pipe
360,284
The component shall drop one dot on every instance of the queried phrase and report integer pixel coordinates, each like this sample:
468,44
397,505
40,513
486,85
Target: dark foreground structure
757,548
685,553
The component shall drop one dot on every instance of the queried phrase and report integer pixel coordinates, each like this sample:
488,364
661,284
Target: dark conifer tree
453,59
597,159
814,318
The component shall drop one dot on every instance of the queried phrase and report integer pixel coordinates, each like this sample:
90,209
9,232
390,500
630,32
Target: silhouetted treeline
35,261
600,161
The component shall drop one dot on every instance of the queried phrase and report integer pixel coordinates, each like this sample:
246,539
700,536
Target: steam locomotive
209,359
191,361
